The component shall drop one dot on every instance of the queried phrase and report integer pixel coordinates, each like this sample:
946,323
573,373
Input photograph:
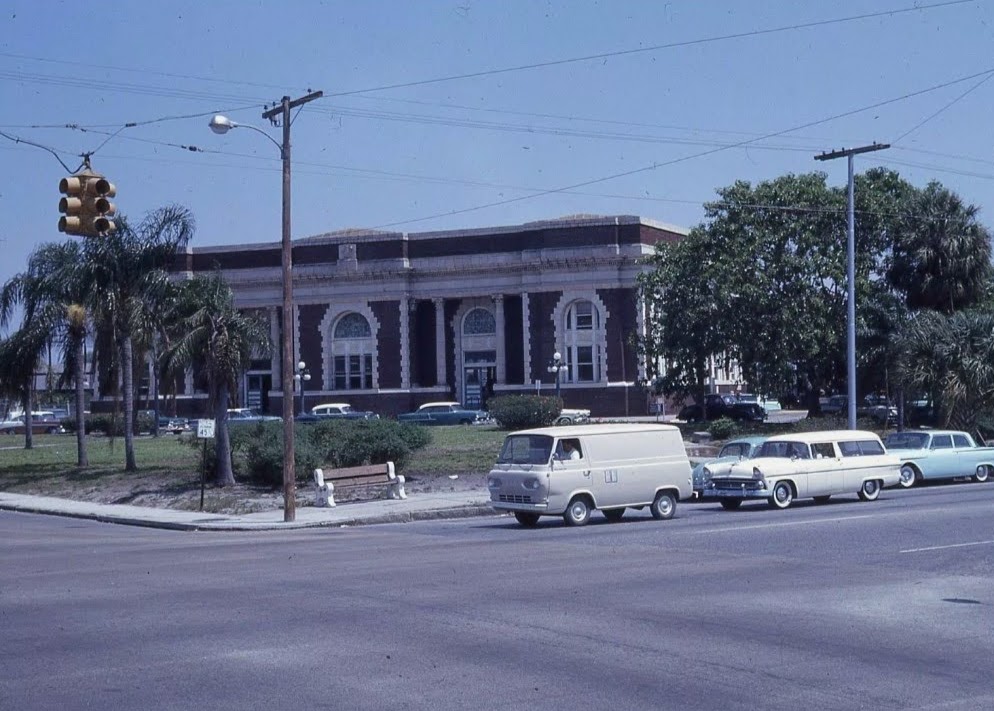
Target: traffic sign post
205,431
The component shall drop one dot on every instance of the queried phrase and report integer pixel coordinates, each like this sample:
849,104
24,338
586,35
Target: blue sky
397,156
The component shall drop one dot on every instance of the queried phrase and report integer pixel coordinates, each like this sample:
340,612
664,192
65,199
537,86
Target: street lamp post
556,366
221,125
303,375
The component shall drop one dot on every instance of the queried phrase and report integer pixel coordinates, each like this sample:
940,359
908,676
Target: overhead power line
654,48
701,154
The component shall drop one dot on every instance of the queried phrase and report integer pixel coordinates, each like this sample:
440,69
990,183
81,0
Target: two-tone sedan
443,413
732,452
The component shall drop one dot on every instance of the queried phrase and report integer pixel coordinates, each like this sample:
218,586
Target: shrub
264,455
353,443
722,428
518,412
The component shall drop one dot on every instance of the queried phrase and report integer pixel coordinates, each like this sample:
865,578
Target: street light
556,366
303,375
222,124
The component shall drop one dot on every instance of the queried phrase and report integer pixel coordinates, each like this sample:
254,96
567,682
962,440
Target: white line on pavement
951,545
733,529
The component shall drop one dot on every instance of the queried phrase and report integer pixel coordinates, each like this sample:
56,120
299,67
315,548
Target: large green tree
222,340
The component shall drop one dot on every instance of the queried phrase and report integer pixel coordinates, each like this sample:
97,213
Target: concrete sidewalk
414,508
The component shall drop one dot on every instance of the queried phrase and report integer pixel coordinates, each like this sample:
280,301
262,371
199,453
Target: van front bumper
509,502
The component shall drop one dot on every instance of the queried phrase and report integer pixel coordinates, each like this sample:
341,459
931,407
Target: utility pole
851,272
287,362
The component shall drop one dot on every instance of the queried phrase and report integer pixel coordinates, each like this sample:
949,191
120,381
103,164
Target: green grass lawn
50,468
458,450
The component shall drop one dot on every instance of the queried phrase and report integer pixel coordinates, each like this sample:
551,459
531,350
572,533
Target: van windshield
526,449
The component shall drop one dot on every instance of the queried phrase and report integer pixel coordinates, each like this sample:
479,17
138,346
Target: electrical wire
951,103
700,154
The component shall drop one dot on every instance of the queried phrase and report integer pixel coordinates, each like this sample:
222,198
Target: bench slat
361,481
371,470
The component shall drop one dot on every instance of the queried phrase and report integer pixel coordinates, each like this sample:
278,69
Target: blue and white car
732,452
939,454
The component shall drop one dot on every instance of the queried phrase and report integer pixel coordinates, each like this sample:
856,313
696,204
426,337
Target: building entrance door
257,391
479,372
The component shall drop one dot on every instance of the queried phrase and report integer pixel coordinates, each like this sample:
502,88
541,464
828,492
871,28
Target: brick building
388,320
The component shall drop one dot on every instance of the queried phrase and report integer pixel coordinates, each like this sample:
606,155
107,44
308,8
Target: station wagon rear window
526,449
861,448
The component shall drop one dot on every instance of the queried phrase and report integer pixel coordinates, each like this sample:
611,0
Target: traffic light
103,208
73,220
86,207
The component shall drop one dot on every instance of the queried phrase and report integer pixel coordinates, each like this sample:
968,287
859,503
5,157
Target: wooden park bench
326,482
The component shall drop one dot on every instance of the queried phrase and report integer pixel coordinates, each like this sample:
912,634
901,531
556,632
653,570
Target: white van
815,465
573,470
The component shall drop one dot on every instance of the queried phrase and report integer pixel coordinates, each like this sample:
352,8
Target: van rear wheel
526,518
613,515
578,512
663,506
870,490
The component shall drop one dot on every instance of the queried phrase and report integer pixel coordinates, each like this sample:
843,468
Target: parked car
342,411
877,408
733,451
175,425
443,413
309,418
568,416
245,414
816,465
723,406
41,423
939,454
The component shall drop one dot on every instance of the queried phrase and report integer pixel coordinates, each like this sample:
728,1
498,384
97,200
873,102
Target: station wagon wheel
981,474
578,512
908,476
870,490
730,504
526,518
663,506
613,515
783,495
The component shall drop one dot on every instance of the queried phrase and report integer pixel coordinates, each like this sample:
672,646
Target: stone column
440,341
499,314
526,339
405,343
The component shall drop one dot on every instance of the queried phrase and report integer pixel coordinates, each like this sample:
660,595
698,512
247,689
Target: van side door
571,470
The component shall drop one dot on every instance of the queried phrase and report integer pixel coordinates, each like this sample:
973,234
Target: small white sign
205,429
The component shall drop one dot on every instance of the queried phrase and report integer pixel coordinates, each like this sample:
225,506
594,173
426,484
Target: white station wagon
815,465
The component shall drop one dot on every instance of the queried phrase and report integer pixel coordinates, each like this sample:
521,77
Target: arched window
583,336
353,353
479,322
352,325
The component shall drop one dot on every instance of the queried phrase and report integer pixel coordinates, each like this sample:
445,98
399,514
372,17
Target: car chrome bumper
736,493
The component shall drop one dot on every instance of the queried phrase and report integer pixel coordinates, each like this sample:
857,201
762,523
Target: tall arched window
583,336
353,350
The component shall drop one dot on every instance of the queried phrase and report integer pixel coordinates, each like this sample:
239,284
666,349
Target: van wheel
613,515
822,499
578,512
908,476
870,490
783,495
730,504
526,518
663,506
981,474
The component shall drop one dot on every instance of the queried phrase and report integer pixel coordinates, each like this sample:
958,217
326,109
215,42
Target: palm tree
951,358
221,339
51,292
19,355
942,253
128,271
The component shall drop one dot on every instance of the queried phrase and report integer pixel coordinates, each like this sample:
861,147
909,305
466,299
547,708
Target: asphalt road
849,605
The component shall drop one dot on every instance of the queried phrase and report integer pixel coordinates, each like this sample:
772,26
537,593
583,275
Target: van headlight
493,482
532,483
